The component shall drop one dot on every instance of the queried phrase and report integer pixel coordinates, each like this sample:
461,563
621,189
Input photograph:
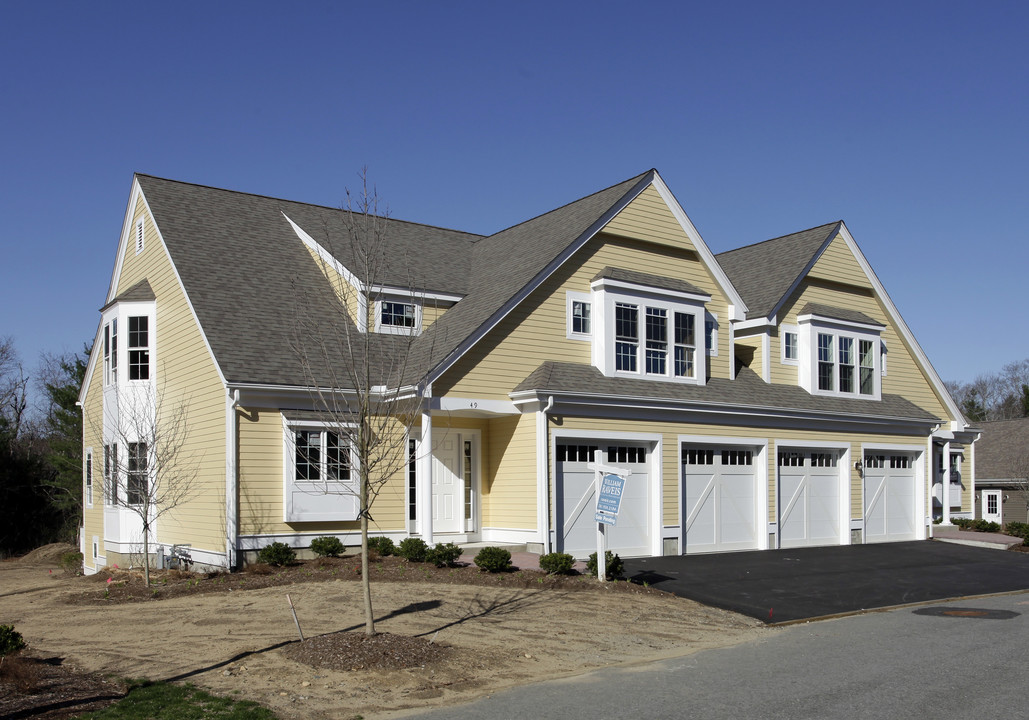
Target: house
767,397
1002,471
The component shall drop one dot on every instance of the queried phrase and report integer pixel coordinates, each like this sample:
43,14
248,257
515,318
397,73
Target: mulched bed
115,585
357,651
44,687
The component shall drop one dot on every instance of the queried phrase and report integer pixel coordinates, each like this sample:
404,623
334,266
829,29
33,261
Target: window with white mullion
657,341
139,348
846,355
626,337
685,345
826,366
398,314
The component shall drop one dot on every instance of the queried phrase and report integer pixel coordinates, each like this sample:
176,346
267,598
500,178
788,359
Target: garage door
720,499
889,497
576,501
809,498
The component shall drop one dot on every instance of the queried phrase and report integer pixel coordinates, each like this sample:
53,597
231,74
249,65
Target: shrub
443,555
493,559
277,554
382,545
557,563
1017,529
72,562
11,640
963,523
327,546
614,565
413,549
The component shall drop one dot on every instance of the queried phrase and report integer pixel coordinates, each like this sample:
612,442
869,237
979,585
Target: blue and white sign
610,497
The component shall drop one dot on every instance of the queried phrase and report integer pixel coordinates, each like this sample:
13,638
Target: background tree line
40,450
1002,395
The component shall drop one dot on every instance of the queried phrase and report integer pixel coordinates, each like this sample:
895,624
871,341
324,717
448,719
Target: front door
991,506
454,483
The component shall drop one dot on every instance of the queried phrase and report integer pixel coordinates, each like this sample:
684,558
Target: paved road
905,663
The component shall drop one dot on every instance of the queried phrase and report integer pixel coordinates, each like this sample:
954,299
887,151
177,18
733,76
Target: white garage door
809,498
889,489
576,501
720,499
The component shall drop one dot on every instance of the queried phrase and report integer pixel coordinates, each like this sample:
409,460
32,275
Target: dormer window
399,316
646,326
838,353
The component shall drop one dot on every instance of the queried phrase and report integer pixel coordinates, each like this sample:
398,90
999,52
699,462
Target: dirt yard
236,640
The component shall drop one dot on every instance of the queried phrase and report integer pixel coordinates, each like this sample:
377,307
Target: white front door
991,506
447,485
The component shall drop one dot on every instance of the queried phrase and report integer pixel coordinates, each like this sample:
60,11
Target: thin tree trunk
366,581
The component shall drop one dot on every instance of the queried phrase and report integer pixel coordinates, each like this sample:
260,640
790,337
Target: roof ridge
780,237
572,202
477,236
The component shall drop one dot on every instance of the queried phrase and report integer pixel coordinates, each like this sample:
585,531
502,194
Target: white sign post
609,482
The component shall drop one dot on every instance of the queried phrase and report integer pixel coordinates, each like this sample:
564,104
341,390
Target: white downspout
423,479
543,475
231,478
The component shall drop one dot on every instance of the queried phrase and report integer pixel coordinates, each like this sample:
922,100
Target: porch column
945,479
423,479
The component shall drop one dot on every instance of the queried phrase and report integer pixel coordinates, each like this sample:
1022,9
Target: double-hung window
398,316
137,484
626,337
139,347
111,474
111,352
320,477
657,341
685,345
89,478
826,366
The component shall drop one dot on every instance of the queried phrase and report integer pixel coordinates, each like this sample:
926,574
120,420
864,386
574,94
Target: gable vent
139,236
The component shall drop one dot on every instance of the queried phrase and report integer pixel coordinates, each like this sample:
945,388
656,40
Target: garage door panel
809,499
889,485
720,500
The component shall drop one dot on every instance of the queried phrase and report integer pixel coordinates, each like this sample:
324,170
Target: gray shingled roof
765,272
506,263
655,281
1002,452
836,313
746,391
253,283
140,292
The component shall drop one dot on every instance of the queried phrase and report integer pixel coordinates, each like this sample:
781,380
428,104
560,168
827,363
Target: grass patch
163,701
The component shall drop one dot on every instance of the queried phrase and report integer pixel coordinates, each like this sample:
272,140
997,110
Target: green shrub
557,563
493,559
1017,529
327,546
443,555
615,566
277,554
382,545
11,640
72,562
963,523
413,549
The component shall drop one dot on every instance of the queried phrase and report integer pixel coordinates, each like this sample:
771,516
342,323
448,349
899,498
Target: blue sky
910,121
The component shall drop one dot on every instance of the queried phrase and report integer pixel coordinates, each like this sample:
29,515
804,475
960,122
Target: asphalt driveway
787,585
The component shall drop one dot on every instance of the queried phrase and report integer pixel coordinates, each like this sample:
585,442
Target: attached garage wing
720,499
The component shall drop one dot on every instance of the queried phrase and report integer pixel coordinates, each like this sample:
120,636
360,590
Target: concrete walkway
954,534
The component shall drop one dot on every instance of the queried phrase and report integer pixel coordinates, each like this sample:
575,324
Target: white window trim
607,295
783,330
573,297
808,349
393,329
338,500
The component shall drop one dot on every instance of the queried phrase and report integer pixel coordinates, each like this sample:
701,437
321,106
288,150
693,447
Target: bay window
838,357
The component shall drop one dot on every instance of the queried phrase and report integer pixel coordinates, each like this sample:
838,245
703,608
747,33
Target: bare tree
13,389
147,466
366,386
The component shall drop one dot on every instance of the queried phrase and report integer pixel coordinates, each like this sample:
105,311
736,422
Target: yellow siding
186,375
648,218
510,487
750,350
838,264
535,331
92,436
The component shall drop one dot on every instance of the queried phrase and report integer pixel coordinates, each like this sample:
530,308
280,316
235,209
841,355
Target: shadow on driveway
777,586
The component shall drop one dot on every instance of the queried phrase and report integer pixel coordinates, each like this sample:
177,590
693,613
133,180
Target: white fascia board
636,288
541,276
827,320
755,324
957,423
735,300
721,409
326,257
418,294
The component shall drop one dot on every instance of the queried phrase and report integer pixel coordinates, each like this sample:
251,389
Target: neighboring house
1002,471
767,397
